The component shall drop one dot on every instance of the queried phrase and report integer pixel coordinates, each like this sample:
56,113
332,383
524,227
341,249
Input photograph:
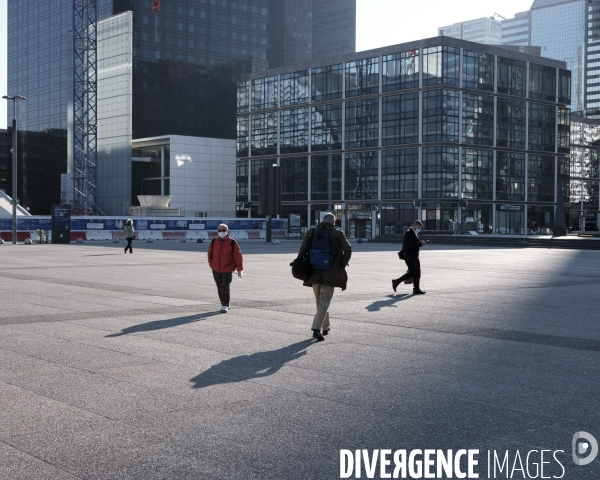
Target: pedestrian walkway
115,366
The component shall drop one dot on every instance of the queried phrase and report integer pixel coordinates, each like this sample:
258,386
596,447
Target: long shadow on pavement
248,367
393,299
160,324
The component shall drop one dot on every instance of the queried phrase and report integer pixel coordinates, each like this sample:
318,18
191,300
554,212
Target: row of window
441,111
444,175
439,65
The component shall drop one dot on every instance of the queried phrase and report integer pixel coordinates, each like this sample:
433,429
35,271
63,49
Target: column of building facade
420,148
495,143
380,140
309,158
460,133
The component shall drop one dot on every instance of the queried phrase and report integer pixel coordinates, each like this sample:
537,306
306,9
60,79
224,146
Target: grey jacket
128,231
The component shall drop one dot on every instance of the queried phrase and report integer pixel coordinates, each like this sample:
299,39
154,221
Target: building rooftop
501,50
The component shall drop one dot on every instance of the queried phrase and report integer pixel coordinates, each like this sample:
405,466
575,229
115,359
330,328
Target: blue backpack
321,249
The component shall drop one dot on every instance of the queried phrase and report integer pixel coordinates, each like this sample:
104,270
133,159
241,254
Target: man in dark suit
410,247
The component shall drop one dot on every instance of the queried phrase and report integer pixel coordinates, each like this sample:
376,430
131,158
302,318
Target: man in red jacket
224,257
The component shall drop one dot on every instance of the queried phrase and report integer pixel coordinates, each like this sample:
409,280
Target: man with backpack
329,253
224,257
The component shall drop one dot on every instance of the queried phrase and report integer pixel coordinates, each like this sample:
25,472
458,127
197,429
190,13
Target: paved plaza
118,366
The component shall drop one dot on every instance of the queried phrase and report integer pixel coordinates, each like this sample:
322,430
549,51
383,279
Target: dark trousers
129,240
223,280
414,270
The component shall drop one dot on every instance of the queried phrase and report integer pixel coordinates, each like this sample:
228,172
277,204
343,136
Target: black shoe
325,332
318,336
419,292
395,284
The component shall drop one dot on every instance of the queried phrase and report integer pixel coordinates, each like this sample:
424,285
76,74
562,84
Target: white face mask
222,234
417,230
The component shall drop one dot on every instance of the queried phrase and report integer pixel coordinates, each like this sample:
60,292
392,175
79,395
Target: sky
379,23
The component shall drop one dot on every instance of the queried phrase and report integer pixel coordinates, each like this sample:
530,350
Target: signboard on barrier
61,223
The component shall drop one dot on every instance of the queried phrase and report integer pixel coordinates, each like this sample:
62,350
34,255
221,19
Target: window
327,83
326,126
293,131
400,173
400,119
242,136
440,116
441,65
540,178
294,179
510,128
362,77
241,181
362,123
294,88
564,130
264,133
541,127
478,119
440,172
264,93
361,177
242,96
564,86
319,174
478,174
478,70
510,176
401,70
542,82
511,76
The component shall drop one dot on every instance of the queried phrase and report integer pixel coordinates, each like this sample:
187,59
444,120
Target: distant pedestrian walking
410,250
129,234
224,257
330,253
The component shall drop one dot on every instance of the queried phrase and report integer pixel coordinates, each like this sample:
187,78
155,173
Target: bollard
27,241
276,242
182,240
200,240
79,240
1,242
115,240
150,240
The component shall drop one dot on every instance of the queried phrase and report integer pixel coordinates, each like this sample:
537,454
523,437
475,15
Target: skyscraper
517,30
310,30
486,30
187,57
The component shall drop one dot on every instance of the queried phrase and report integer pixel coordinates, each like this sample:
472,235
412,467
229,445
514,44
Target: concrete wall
203,175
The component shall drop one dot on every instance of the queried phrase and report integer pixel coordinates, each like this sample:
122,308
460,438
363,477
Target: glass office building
300,31
481,30
517,30
186,59
584,184
559,28
439,129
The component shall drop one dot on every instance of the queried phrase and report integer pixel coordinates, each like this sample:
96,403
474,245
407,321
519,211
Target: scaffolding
85,112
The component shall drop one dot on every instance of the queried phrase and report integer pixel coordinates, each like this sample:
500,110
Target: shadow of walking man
248,367
393,299
160,324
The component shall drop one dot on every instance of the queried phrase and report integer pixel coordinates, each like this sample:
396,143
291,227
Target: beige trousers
323,296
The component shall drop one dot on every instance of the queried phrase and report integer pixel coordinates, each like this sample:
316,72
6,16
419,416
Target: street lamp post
14,99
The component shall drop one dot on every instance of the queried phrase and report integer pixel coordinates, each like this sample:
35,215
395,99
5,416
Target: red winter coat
222,258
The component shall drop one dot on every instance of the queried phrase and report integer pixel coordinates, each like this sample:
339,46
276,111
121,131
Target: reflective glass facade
435,121
584,174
